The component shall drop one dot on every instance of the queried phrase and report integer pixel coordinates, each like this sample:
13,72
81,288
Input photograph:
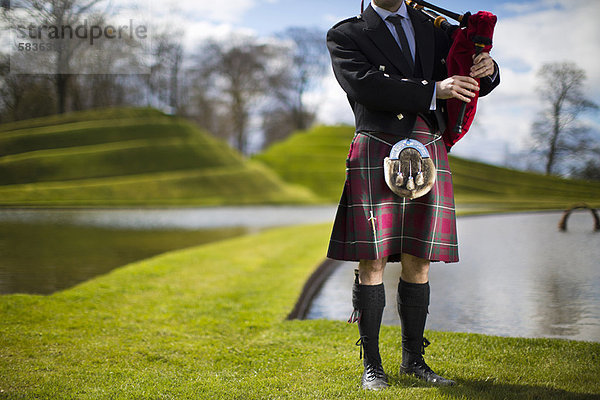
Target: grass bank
209,323
129,157
316,159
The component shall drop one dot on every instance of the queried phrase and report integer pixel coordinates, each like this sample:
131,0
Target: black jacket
384,94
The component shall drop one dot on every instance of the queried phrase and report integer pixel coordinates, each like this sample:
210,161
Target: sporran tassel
400,176
410,185
420,180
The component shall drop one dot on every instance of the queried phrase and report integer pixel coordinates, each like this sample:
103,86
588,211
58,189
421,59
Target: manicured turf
316,159
129,157
209,323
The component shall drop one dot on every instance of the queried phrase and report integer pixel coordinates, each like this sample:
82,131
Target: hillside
316,159
128,157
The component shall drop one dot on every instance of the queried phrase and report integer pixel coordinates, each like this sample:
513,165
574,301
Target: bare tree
24,96
240,74
70,38
201,104
165,70
590,170
58,13
309,60
557,130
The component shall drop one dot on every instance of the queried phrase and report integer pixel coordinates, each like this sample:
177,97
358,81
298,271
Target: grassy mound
209,323
316,159
128,157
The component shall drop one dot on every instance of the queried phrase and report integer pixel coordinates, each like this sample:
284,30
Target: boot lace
374,371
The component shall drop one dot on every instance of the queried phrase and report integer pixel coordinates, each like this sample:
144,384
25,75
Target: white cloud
537,33
330,102
200,20
522,44
230,11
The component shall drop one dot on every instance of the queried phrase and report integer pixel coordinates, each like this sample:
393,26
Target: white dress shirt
409,31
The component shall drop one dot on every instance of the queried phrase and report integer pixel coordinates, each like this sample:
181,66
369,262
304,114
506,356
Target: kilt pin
372,222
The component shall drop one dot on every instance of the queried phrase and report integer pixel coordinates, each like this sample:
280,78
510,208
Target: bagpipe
409,171
472,36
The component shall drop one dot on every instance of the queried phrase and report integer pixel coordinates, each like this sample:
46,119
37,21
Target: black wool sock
413,305
369,300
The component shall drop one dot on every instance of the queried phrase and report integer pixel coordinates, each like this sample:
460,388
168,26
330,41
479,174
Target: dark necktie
396,20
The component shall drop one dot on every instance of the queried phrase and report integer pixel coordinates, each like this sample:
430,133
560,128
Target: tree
165,69
23,96
58,13
557,131
75,38
242,73
590,171
309,62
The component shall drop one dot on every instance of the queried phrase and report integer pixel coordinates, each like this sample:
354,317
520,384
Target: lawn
210,323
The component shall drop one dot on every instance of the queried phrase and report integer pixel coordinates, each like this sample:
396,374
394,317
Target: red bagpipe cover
459,62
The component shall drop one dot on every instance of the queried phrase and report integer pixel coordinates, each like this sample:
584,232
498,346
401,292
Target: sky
527,35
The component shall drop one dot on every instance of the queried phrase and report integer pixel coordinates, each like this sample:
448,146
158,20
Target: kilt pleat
373,222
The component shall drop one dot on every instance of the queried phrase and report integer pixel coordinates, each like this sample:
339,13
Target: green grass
117,113
316,159
209,323
129,157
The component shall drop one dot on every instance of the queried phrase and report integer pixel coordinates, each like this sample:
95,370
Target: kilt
372,222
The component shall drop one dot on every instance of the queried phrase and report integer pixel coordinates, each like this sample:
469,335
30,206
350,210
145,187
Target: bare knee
414,269
370,272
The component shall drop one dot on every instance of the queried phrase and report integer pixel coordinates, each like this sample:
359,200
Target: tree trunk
62,81
239,122
554,140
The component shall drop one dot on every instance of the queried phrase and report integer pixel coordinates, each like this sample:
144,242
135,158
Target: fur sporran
409,170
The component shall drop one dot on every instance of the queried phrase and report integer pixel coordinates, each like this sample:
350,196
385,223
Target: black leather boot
369,302
413,304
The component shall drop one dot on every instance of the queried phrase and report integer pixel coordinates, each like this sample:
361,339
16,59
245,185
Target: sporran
409,170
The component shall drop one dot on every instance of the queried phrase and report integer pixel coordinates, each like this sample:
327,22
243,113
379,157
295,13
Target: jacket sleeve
376,90
489,83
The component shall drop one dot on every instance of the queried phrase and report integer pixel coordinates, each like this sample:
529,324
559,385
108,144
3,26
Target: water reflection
42,258
251,217
563,308
518,276
42,251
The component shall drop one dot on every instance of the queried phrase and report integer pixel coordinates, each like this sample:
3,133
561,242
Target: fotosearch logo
82,31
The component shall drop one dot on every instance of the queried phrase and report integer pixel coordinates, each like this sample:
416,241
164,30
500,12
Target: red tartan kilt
372,222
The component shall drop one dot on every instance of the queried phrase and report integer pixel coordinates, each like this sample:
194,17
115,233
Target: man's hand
483,66
459,87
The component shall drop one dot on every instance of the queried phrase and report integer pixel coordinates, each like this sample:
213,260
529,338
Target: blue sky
528,34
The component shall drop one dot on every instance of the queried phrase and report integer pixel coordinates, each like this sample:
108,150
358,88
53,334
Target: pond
518,275
43,251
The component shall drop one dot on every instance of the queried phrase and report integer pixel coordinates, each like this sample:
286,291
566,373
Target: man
390,61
